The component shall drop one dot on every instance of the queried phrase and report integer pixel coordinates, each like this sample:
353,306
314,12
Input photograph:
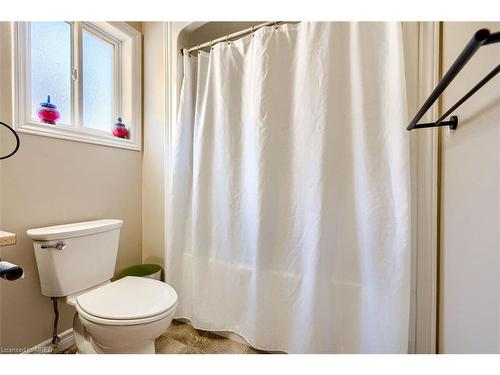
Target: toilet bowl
124,316
77,261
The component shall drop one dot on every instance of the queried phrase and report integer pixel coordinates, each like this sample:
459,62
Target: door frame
425,197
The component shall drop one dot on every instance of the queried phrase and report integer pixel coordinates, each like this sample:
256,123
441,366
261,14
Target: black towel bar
481,38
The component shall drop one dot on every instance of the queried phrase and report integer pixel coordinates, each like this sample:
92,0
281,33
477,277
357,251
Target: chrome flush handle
58,246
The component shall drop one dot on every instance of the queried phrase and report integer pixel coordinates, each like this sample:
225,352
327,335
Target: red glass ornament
119,130
48,113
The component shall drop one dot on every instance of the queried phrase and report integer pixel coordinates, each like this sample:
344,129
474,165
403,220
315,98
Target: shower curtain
289,196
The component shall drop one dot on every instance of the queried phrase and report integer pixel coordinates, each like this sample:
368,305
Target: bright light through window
97,82
51,67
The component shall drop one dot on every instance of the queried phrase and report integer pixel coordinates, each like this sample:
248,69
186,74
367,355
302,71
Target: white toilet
77,261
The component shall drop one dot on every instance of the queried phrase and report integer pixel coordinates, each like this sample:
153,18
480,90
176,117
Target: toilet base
135,339
86,345
146,348
82,341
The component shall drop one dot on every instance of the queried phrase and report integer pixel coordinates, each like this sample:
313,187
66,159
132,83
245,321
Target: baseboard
46,347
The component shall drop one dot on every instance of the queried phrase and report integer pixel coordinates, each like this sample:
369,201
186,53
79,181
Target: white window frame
127,85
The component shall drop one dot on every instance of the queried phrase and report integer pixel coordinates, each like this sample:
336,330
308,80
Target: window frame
127,57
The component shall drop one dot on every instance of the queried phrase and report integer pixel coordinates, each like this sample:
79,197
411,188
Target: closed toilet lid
128,298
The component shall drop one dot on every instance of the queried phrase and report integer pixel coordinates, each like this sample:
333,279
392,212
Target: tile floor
181,338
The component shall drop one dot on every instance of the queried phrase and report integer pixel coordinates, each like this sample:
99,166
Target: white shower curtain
289,193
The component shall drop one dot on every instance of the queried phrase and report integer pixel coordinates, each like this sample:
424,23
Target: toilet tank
74,257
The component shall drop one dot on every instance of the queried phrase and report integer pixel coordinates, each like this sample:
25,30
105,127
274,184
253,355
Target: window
98,82
90,71
51,72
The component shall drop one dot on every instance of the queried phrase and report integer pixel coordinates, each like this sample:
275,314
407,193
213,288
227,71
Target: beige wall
51,181
154,136
136,25
470,203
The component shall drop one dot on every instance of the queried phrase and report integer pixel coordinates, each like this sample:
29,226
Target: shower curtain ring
252,32
211,46
227,39
198,49
276,25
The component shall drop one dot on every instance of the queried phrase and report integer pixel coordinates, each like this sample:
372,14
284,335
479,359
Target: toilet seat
128,301
123,322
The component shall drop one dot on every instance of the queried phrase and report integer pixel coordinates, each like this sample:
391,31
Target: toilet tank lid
73,230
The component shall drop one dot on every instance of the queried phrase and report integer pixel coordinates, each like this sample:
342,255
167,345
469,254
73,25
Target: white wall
470,203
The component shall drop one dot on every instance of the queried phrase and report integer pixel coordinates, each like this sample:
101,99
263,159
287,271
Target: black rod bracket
453,124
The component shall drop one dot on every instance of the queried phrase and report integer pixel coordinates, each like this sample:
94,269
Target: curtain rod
231,36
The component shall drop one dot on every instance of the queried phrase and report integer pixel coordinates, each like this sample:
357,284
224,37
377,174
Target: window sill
79,135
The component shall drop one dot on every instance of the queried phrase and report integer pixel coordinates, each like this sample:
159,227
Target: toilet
76,263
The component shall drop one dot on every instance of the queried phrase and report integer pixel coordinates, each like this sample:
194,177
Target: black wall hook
18,141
